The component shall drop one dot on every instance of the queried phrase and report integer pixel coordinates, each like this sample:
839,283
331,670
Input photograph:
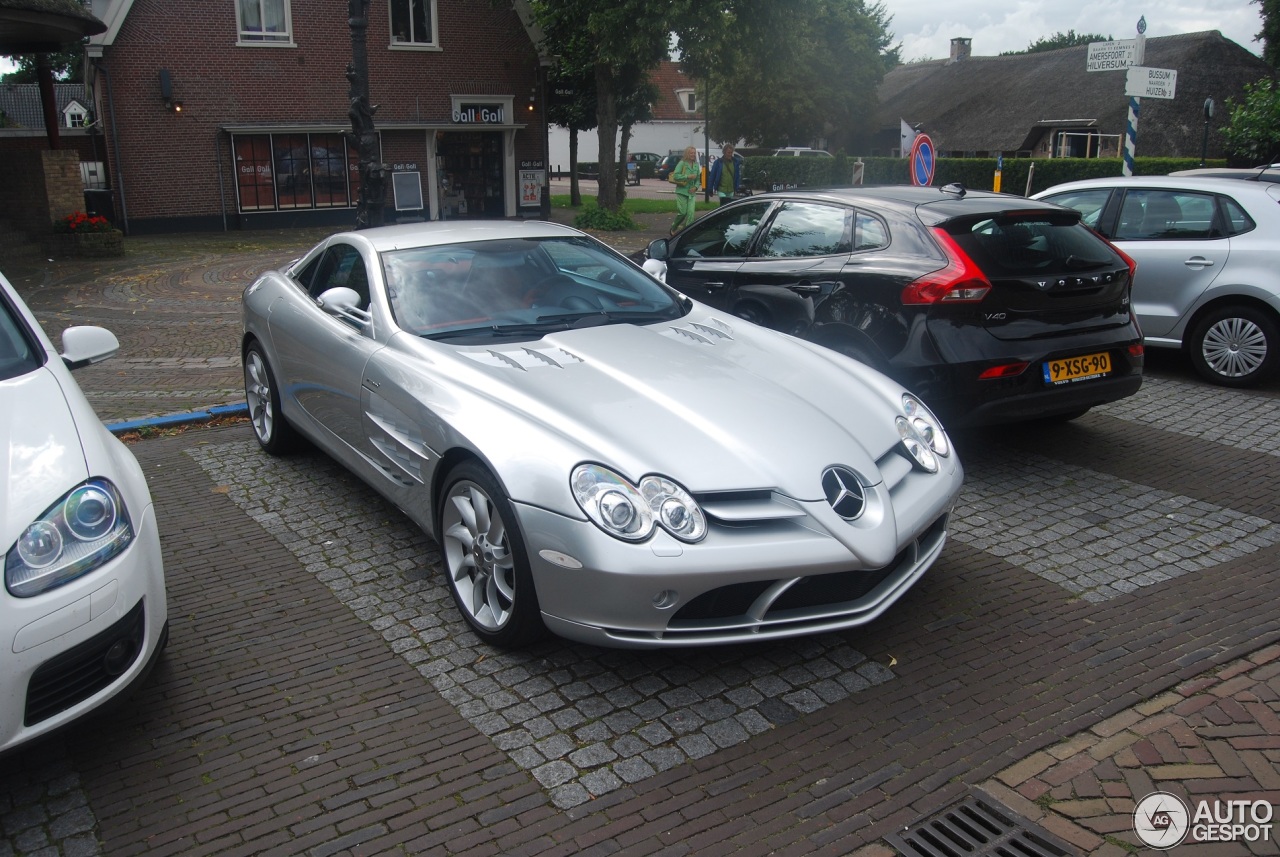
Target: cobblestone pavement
1101,626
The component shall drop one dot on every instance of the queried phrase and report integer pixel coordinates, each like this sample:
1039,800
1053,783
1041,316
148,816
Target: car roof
440,232
948,201
1268,173
1201,183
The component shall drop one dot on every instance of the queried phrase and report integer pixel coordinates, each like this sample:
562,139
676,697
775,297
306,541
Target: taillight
961,281
1005,370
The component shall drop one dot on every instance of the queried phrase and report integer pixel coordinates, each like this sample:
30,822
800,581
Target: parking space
321,696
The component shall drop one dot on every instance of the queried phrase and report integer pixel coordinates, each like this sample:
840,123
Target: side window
805,229
1090,203
264,22
1148,215
721,234
341,265
870,233
413,23
1237,221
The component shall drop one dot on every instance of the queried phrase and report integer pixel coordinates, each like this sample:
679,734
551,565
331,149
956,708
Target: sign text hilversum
1112,56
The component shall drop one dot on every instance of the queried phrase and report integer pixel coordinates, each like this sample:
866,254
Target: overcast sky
925,28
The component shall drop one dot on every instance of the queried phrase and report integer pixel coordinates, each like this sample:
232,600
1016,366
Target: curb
241,409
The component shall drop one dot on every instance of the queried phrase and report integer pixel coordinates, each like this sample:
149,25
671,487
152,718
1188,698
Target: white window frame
432,45
683,95
261,38
74,115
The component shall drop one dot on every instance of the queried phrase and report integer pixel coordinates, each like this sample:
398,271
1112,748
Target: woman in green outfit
688,178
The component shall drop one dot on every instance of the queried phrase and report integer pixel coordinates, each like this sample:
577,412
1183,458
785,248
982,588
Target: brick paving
314,701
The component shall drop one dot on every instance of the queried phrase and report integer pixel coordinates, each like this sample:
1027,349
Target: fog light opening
118,657
666,599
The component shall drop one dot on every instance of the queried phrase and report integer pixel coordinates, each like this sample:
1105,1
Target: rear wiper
1075,263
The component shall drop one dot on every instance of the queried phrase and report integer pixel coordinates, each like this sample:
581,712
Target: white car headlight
922,435
630,512
80,532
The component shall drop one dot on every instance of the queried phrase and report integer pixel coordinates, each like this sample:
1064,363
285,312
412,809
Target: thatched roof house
1048,105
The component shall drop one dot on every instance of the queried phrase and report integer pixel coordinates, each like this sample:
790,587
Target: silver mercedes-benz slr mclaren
595,453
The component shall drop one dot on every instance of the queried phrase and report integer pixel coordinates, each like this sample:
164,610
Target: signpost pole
1135,103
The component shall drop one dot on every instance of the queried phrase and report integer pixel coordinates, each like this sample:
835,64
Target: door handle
1198,262
713,287
804,287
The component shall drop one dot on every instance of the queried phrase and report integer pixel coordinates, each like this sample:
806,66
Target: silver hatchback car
1208,254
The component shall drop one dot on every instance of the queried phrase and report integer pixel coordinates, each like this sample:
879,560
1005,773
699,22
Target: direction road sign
1143,82
1112,56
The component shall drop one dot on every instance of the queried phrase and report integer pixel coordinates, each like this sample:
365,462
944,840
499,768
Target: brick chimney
960,49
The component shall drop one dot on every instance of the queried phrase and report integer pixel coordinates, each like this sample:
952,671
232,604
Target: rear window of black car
1028,246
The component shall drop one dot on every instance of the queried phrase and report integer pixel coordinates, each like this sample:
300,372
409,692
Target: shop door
471,174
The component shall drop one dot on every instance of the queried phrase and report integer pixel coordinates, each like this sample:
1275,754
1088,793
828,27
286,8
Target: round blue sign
921,161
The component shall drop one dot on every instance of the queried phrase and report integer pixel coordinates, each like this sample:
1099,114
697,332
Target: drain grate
978,826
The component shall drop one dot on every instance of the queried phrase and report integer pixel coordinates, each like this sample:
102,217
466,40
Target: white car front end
83,610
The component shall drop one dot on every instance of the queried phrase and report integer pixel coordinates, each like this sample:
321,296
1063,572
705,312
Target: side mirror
655,269
84,345
659,249
344,303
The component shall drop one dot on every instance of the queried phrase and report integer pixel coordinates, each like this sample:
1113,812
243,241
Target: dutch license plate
1077,368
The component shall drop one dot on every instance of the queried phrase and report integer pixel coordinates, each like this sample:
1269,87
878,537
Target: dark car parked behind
992,308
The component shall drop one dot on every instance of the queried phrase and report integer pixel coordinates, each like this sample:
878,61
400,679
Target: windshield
17,356
519,288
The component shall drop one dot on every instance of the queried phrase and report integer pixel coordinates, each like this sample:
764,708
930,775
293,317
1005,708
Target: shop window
295,171
264,22
413,23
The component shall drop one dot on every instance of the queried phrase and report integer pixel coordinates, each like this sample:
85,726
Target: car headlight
922,435
631,512
80,532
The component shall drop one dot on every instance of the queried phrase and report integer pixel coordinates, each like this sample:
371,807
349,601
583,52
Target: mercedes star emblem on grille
844,492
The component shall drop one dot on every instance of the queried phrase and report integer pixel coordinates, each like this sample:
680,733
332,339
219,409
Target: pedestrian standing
687,176
726,175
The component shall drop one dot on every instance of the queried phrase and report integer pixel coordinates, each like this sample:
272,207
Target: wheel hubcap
1234,347
257,394
478,555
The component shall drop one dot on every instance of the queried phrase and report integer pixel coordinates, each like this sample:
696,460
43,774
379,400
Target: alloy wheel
478,555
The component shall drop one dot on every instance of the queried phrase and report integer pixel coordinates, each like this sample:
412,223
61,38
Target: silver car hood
45,458
713,404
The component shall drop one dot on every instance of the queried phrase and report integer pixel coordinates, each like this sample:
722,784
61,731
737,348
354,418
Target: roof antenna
955,187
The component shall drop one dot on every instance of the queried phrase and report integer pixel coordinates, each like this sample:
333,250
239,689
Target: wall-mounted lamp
166,92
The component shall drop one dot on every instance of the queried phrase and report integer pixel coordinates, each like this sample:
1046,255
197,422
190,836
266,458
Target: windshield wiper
1075,263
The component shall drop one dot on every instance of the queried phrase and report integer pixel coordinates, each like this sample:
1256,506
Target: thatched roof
1002,104
44,26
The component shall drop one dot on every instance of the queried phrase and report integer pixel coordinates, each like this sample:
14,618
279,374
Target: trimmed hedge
976,173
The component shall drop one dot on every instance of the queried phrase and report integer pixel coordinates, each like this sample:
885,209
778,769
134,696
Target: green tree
1270,34
1252,132
65,65
761,93
1069,39
620,41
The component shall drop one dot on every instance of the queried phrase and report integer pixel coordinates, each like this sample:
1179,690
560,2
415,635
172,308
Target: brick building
232,114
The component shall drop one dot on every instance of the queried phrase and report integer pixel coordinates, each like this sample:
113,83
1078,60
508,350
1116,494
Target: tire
1235,346
262,395
486,560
